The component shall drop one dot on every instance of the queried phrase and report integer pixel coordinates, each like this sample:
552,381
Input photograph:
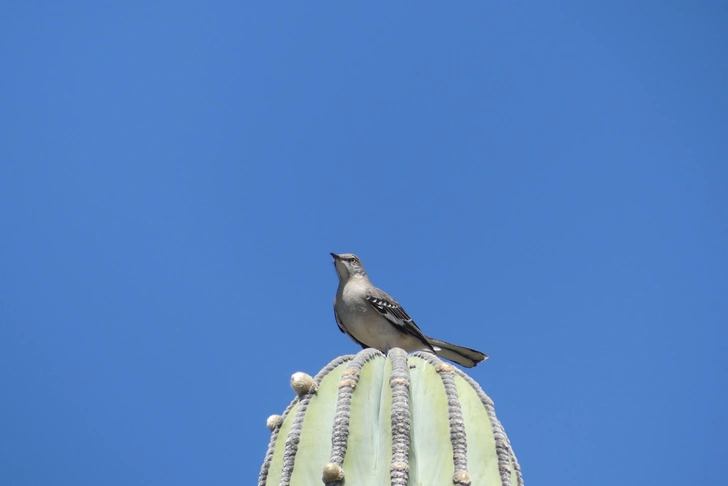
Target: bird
373,319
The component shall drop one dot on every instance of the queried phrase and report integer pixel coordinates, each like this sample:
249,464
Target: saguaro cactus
401,420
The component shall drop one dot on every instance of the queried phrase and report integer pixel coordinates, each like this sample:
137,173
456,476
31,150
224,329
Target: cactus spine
400,420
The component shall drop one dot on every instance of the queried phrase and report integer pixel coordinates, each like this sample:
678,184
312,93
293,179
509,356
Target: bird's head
347,266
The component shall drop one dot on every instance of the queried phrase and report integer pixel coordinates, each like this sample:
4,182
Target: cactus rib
274,435
347,384
399,382
458,437
272,444
502,444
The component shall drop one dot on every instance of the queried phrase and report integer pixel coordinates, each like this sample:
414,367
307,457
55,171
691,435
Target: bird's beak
336,257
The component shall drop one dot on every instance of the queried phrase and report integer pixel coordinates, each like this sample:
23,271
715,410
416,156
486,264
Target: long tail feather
466,357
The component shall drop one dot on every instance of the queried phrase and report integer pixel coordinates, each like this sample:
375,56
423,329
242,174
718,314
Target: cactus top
397,420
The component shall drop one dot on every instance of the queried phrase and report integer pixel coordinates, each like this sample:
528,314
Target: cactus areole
370,420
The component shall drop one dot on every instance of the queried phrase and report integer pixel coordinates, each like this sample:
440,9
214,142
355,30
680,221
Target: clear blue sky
547,183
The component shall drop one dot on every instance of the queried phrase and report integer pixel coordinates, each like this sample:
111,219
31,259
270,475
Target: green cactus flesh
400,420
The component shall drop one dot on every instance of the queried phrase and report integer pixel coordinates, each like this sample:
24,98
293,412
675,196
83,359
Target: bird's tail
463,356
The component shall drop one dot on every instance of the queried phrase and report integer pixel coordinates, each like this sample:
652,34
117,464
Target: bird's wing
338,321
394,313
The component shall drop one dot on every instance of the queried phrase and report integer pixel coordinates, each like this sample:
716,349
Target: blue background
546,183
